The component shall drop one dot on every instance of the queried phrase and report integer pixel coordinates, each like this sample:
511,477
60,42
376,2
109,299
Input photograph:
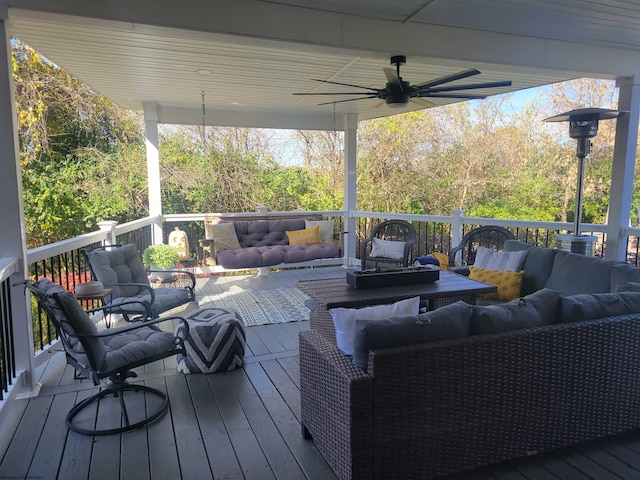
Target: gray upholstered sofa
264,243
469,385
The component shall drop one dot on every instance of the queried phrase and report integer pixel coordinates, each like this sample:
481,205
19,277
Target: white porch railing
436,233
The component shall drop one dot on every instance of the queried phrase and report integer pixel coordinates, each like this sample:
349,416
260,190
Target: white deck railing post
109,226
456,226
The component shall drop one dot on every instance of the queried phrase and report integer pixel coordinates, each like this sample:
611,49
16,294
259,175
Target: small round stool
215,341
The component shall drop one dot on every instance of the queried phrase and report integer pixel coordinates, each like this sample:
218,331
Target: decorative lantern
180,241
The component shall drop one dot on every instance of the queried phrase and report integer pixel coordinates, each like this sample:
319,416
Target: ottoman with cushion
215,341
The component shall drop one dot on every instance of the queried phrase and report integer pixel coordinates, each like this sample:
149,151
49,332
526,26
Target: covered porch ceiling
249,56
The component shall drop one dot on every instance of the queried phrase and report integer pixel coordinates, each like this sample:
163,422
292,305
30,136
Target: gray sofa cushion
581,307
624,271
261,233
573,274
253,257
539,308
450,321
537,265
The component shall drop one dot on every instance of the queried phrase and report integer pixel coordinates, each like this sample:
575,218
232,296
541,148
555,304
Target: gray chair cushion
450,321
537,265
76,322
119,265
573,274
581,307
137,345
539,308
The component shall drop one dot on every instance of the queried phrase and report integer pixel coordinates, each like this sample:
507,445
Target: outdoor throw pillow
387,249
305,236
224,236
344,319
326,229
492,260
508,282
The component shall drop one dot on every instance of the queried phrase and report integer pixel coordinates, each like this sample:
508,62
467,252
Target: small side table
101,298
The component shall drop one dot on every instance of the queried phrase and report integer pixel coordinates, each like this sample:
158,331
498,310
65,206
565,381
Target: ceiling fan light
397,101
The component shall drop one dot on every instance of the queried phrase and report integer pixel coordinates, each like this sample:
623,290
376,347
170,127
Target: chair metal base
118,390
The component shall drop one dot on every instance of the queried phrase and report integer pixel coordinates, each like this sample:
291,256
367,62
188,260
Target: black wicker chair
391,230
489,236
120,268
109,354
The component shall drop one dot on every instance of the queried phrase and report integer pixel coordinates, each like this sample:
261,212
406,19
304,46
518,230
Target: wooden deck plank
252,460
215,438
105,459
307,455
586,465
134,455
162,449
191,453
281,461
287,388
46,459
287,341
269,340
77,452
17,459
559,467
292,367
254,342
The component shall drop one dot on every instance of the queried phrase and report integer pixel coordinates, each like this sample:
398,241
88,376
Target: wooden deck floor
241,424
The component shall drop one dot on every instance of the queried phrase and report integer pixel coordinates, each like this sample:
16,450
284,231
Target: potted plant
160,257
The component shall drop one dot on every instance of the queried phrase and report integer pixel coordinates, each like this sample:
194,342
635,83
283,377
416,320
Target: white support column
622,175
457,226
13,243
153,167
350,152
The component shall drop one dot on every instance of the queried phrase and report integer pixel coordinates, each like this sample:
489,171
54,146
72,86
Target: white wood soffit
258,53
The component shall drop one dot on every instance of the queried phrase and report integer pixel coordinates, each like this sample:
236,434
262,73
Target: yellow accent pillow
442,258
508,283
305,236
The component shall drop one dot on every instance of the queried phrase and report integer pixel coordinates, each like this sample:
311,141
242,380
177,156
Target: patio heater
583,126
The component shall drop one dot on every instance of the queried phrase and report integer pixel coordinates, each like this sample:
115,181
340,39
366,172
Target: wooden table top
333,293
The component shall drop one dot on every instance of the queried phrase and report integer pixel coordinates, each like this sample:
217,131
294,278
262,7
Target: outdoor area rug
259,307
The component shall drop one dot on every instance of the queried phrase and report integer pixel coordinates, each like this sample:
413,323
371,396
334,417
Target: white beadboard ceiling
259,52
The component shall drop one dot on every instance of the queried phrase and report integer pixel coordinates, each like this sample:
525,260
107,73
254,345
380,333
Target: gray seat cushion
252,257
119,265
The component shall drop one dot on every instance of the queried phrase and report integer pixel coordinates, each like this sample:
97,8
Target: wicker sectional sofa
427,409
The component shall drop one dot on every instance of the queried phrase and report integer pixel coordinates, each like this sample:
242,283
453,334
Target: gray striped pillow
502,261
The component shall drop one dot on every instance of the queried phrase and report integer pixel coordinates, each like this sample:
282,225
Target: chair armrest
191,276
460,270
452,255
134,326
119,306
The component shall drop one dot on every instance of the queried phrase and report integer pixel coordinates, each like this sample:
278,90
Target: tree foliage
83,159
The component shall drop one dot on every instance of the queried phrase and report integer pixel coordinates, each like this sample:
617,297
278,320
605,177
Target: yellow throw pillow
442,258
304,237
508,283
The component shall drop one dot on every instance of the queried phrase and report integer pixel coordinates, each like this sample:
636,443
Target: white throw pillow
344,319
387,249
326,229
501,261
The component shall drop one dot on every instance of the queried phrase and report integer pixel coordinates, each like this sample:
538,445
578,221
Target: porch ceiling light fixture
583,125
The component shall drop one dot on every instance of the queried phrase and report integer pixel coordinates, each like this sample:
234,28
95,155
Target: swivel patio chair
388,246
120,268
488,236
108,354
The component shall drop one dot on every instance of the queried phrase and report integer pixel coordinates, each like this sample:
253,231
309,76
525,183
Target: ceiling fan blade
344,84
330,93
471,86
453,95
348,100
449,78
422,102
380,103
393,78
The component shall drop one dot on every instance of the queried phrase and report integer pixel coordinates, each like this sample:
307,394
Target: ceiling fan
398,93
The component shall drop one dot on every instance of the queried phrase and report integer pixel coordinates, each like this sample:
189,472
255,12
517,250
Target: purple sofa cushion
252,257
258,233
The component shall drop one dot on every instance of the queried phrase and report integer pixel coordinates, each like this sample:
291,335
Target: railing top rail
8,266
134,225
403,216
58,248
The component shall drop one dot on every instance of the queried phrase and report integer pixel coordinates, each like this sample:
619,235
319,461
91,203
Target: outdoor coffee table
335,292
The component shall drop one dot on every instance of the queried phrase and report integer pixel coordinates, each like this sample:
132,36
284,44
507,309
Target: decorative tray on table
392,277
